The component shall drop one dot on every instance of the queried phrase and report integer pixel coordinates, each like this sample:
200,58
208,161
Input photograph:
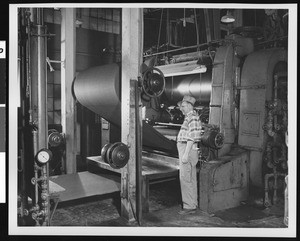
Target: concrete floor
164,206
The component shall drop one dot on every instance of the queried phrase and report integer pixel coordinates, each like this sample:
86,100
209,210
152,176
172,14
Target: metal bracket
44,35
49,61
251,87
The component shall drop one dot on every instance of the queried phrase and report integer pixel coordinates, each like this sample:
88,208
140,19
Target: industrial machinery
236,88
241,94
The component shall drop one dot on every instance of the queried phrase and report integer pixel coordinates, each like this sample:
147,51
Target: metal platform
153,165
82,184
155,168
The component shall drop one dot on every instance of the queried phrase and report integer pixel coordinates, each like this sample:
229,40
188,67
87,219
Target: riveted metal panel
217,92
251,123
256,89
224,182
214,116
231,175
252,117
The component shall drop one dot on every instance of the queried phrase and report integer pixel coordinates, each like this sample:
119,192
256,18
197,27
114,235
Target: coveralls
190,131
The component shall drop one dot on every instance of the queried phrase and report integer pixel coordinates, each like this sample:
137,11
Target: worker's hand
202,131
185,158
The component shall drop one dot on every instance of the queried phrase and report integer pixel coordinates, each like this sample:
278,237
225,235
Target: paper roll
98,89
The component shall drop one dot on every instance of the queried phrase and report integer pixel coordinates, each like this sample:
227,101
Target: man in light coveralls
188,136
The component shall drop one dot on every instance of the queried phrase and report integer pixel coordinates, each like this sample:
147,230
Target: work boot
187,211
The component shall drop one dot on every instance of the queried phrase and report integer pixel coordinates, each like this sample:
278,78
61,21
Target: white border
150,231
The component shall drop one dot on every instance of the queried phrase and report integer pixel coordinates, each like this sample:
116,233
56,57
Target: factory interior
98,117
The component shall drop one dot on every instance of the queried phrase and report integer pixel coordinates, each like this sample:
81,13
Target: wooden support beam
132,46
68,68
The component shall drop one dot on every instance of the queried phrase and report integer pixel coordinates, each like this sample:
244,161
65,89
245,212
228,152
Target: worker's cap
187,98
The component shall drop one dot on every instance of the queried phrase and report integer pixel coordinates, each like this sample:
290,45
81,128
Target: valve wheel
153,82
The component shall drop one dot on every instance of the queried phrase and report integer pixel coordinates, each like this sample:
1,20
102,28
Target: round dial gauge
43,156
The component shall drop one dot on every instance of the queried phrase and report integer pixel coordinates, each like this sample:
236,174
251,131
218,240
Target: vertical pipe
267,201
138,108
38,53
21,66
275,185
237,94
207,25
39,80
286,207
28,64
275,100
35,150
45,195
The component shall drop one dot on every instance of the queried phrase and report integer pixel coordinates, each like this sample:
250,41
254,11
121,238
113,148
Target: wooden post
68,107
132,46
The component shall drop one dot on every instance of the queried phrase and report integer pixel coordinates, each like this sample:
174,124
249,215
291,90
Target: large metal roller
98,89
196,85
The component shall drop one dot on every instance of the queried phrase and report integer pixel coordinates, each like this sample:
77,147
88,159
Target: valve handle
153,82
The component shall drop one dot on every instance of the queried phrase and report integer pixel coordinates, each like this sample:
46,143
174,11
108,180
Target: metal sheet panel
252,117
230,175
224,183
256,89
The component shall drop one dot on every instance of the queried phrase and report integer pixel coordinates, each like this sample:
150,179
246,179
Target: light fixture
228,18
78,21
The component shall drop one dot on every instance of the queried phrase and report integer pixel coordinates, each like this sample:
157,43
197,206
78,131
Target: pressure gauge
43,156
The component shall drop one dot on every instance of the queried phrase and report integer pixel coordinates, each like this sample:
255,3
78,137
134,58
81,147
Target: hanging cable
197,31
184,23
160,23
168,30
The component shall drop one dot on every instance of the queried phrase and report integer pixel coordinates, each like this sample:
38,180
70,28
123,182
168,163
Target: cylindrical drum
196,85
98,89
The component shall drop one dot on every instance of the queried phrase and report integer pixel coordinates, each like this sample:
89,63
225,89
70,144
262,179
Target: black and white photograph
152,119
3,80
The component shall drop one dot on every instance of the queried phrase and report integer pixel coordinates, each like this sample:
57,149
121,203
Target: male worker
187,139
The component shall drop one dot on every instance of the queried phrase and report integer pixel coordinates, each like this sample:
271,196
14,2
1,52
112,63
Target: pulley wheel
153,82
219,140
104,151
55,139
117,155
213,139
